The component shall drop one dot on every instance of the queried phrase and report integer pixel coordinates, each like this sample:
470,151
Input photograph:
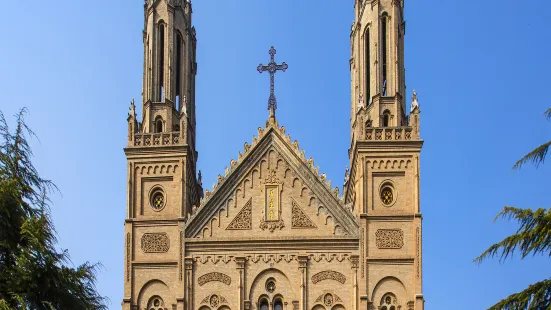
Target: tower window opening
264,304
367,68
384,50
278,305
386,118
162,62
178,69
159,125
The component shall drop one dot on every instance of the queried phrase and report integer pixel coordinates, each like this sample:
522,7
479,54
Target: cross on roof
272,67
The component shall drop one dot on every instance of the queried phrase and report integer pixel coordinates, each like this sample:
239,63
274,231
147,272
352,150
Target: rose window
387,196
270,286
328,300
158,200
156,303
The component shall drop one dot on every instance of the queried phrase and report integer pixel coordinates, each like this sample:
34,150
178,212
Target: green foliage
532,237
33,273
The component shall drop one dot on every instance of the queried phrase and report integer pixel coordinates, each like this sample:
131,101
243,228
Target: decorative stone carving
389,238
300,219
243,220
271,225
155,243
272,178
328,299
214,276
328,275
214,300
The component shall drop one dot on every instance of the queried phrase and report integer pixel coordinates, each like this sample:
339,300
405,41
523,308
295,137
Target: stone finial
414,102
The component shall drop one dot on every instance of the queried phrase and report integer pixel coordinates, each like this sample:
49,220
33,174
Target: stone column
240,261
188,285
303,268
354,259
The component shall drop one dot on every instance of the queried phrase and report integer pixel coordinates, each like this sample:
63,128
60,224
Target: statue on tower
414,102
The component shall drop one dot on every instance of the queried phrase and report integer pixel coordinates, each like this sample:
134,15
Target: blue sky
480,69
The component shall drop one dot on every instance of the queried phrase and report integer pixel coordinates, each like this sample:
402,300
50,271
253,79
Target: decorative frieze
328,275
155,243
389,238
214,276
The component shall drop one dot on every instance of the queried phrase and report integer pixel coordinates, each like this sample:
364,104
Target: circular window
388,195
328,300
270,286
158,199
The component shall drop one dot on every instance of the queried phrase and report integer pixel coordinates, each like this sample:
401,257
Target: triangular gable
271,151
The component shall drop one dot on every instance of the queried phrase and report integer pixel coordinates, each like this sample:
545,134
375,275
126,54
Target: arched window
162,62
158,124
367,66
156,303
389,302
386,118
384,50
264,304
178,69
278,305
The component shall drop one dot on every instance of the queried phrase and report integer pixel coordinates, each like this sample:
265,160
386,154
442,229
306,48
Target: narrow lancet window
386,118
158,124
178,69
367,68
384,50
162,62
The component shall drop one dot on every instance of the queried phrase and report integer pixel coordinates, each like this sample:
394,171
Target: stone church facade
273,234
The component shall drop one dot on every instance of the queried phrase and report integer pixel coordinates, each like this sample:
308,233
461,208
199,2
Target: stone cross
272,67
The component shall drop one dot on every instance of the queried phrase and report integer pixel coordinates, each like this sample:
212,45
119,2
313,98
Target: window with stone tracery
389,302
156,303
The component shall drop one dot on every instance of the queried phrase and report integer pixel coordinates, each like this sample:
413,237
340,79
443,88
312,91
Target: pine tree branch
536,156
536,296
533,235
547,114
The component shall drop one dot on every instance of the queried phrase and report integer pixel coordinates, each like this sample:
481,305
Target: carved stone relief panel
243,220
329,275
155,243
214,276
300,219
389,238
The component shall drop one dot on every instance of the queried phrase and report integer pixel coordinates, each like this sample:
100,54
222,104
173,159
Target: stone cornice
391,217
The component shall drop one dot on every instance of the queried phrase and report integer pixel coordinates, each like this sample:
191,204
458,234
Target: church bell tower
162,186
383,182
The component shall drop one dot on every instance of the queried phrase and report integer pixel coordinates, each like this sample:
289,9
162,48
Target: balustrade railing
387,134
157,139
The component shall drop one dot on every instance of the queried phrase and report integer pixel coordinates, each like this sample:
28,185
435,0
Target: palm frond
533,235
536,156
547,114
536,296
